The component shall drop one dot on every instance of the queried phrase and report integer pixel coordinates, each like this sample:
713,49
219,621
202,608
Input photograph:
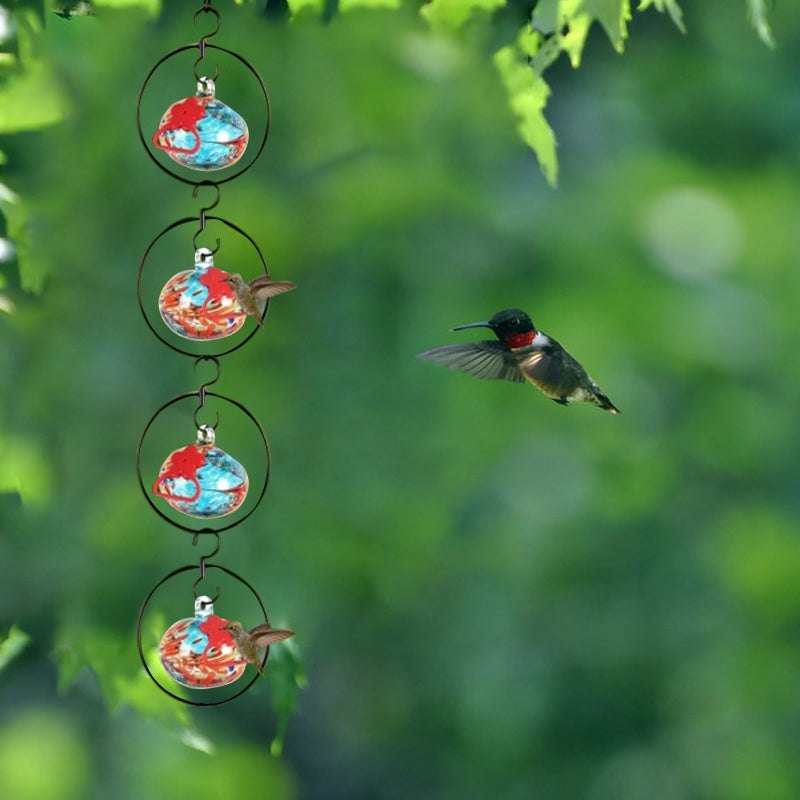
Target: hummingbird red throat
521,353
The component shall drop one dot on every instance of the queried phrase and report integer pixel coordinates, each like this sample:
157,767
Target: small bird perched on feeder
249,295
249,642
522,354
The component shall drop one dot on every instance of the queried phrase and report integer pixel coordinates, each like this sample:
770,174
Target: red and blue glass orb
198,304
201,132
197,652
202,481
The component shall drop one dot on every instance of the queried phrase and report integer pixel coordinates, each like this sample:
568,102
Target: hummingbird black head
512,326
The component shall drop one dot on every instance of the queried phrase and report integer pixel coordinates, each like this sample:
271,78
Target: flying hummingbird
249,642
248,295
522,354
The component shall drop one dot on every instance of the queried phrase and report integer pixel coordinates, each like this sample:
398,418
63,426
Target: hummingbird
248,295
522,354
249,642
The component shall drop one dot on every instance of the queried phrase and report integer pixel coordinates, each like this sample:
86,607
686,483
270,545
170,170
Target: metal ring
158,511
141,650
185,221
139,114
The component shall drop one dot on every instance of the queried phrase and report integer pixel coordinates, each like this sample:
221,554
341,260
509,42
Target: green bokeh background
494,596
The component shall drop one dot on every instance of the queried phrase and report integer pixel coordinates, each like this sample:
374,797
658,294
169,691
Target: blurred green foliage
493,596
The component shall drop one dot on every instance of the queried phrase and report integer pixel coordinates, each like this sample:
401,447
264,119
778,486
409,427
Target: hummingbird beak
471,325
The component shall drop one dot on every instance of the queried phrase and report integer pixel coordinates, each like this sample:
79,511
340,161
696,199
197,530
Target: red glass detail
214,629
213,279
182,463
183,115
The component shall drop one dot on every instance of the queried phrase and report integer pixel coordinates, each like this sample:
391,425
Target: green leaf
24,470
34,267
348,5
152,7
527,96
297,7
31,100
113,659
286,674
563,25
574,40
12,645
670,6
613,15
757,14
454,13
546,16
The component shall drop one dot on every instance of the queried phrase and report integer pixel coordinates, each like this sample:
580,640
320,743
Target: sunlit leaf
454,13
347,5
31,100
574,40
296,7
613,15
527,96
25,469
112,658
757,14
153,7
33,263
546,17
13,644
670,6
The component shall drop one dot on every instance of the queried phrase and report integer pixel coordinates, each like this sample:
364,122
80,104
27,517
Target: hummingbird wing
489,361
262,287
263,635
548,368
552,370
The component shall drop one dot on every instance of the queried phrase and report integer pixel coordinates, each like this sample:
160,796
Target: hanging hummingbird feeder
198,652
199,303
202,133
200,480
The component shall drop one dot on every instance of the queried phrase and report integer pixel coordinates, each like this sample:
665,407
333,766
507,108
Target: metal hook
194,590
194,242
215,203
204,210
201,45
201,392
199,425
203,560
197,63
